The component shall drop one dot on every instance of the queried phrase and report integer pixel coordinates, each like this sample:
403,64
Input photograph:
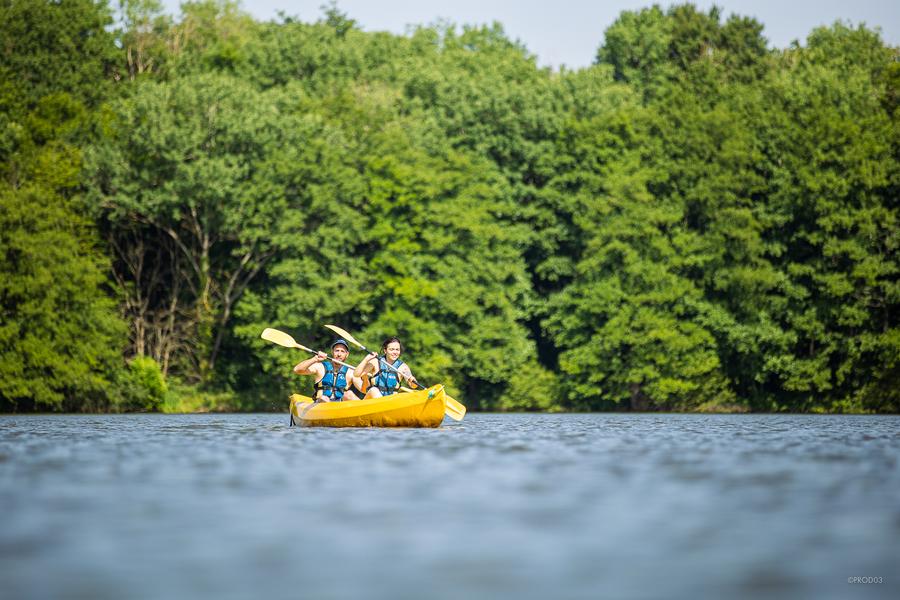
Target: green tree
652,49
190,187
56,66
832,190
53,47
211,36
147,37
630,326
60,336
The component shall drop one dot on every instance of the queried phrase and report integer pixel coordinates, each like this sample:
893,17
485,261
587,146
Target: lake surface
498,506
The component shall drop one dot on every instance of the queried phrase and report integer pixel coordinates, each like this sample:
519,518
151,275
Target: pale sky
570,31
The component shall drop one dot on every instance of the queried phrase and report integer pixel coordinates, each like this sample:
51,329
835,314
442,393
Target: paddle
283,339
454,409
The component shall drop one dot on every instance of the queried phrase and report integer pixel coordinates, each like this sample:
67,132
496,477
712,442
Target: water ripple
519,506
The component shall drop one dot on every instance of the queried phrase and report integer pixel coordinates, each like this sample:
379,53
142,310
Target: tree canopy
697,221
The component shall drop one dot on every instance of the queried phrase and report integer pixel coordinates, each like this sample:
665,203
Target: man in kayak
384,379
333,380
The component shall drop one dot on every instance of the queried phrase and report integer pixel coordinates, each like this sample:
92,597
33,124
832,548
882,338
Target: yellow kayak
424,408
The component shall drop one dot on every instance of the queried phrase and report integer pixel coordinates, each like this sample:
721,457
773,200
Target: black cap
342,342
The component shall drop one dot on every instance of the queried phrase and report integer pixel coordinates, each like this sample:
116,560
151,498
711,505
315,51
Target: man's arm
311,366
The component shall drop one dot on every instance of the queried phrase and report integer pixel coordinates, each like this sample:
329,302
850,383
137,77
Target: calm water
517,506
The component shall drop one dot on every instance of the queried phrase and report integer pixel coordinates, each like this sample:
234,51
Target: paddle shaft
316,352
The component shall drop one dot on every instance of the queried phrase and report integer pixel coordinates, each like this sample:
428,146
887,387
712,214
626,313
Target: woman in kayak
385,372
333,380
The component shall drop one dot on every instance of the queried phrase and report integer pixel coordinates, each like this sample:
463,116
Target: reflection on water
519,506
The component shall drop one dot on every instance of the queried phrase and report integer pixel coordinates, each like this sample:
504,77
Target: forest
695,222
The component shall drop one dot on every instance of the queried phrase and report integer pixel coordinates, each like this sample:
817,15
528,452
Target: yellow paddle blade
453,408
279,337
345,334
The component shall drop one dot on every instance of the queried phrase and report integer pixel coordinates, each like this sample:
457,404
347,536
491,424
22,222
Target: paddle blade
345,334
279,337
453,409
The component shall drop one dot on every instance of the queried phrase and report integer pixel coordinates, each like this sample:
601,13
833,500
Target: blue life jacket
386,379
332,385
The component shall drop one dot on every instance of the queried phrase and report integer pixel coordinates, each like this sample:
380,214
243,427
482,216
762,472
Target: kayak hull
424,408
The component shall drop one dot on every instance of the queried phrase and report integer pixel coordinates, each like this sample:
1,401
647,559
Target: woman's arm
407,374
365,365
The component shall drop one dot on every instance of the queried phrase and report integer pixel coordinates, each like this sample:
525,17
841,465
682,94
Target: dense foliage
695,222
